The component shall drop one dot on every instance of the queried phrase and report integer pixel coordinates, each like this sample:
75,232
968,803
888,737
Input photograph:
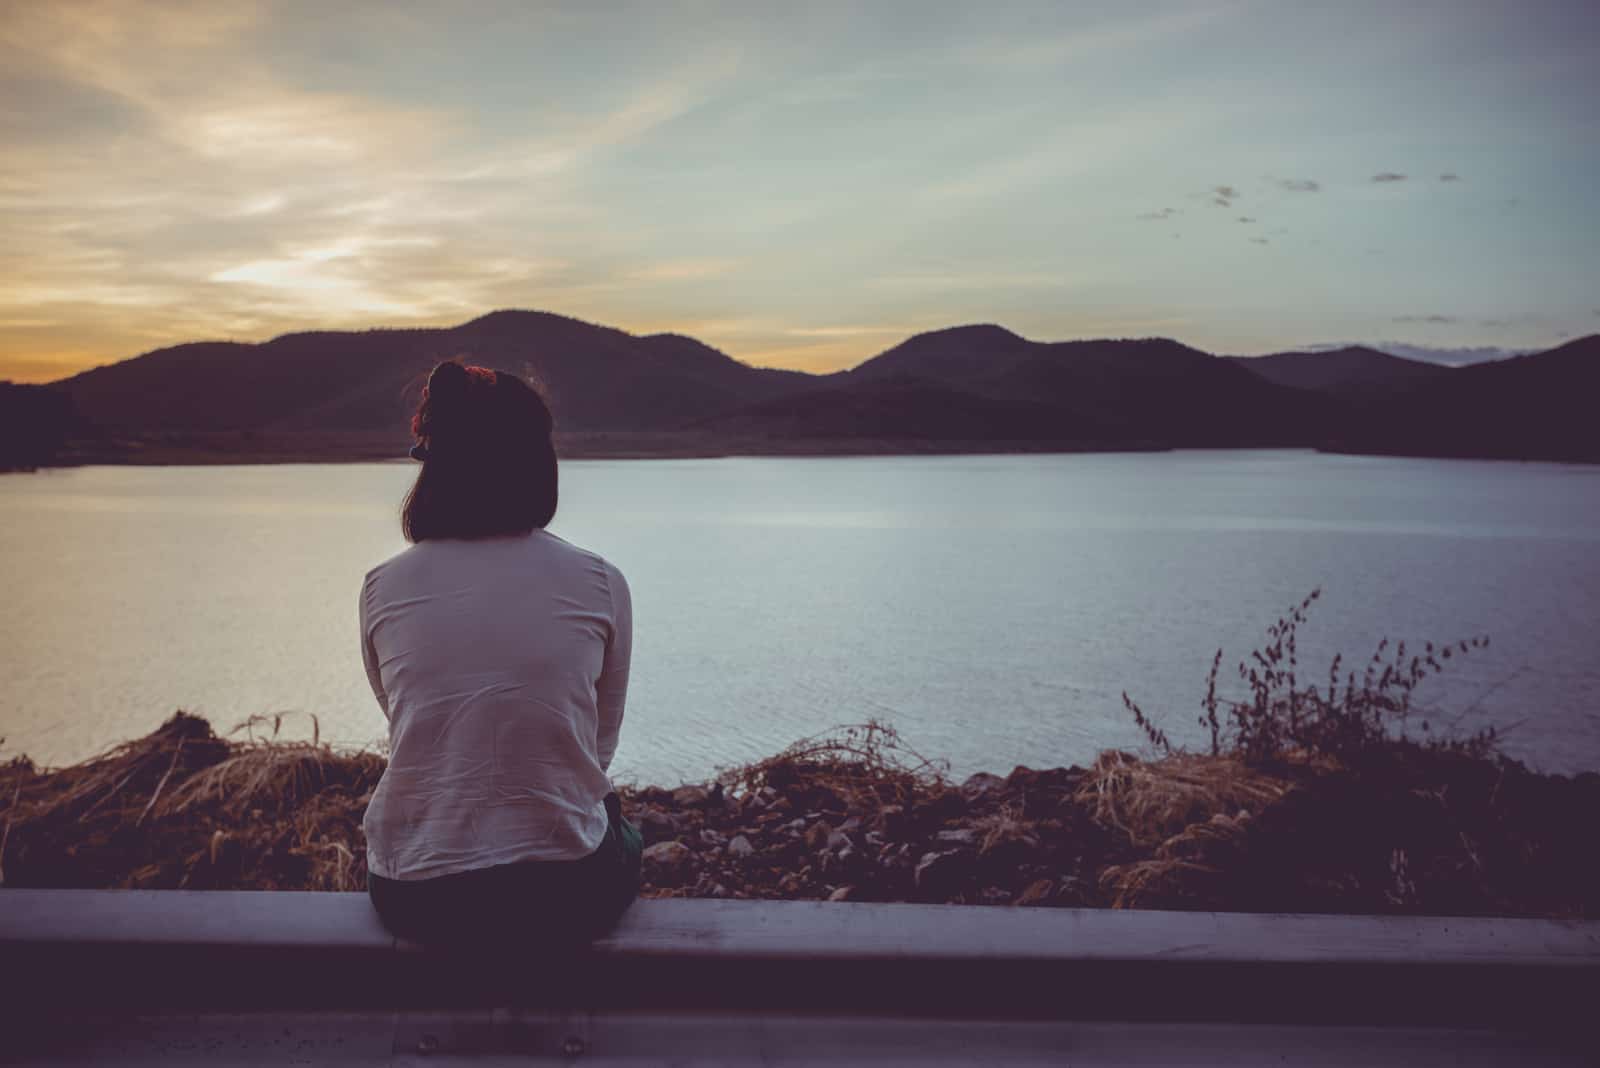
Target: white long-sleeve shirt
501,665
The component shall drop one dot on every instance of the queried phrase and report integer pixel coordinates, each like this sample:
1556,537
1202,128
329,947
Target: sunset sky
801,185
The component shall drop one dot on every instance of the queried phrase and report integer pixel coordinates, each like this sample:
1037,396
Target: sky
800,185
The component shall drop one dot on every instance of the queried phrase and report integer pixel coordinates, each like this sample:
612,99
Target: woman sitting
499,655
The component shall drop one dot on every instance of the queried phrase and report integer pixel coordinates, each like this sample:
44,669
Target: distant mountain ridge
974,386
1356,370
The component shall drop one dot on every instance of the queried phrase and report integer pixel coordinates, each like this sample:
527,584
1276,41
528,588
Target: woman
499,655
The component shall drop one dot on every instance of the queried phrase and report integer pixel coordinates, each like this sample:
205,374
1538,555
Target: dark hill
1353,371
1534,407
1150,389
906,408
312,394
597,378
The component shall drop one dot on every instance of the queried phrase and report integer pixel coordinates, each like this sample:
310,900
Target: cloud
1223,196
1073,150
1259,241
1430,319
1091,41
1300,185
851,331
1246,219
1452,177
1164,213
977,280
1388,176
685,270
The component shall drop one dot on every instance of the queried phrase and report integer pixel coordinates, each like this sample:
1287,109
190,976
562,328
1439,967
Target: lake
992,608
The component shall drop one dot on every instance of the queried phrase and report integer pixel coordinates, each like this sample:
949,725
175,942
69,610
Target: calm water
992,608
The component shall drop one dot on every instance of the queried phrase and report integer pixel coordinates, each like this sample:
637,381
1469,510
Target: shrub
1351,716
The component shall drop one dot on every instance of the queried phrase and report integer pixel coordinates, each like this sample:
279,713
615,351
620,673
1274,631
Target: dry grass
865,764
1182,812
1151,801
183,808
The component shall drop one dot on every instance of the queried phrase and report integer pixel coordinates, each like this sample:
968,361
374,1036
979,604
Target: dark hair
488,459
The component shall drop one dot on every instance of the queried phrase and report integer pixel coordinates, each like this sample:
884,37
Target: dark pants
530,904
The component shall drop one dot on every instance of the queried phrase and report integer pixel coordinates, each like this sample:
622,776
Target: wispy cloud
850,331
976,280
1388,176
1076,42
1246,219
685,270
176,171
1429,319
1223,195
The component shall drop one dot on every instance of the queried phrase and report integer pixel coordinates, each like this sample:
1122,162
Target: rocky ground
1021,839
858,817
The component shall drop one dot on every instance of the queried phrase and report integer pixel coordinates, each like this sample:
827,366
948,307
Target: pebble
667,855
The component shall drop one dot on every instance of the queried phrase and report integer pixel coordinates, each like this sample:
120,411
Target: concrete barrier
885,977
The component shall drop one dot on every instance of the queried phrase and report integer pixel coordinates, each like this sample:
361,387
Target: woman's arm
369,655
611,689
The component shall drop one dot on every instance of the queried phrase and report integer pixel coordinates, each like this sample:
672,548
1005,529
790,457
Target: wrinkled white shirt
501,665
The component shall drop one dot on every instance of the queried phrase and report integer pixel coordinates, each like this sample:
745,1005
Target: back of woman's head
488,459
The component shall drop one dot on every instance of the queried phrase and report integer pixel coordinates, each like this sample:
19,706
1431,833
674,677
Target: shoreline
248,449
193,449
857,816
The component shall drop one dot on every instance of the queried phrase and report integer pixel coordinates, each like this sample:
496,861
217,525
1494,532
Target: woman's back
502,665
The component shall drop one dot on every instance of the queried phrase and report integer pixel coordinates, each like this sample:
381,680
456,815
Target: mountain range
966,388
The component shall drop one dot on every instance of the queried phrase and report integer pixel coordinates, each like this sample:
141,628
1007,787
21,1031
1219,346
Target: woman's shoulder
428,562
577,554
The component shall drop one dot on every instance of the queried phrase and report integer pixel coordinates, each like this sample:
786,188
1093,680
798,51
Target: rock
712,838
1037,892
980,785
740,846
959,836
844,893
798,824
789,884
891,818
655,825
1076,891
690,796
938,874
817,835
838,841
667,855
993,895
